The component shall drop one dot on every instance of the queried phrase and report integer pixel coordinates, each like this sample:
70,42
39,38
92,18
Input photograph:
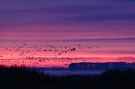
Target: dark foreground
23,78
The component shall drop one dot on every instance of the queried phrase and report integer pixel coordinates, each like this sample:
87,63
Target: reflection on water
66,72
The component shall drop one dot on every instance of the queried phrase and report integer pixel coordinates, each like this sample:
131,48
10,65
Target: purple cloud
91,18
101,16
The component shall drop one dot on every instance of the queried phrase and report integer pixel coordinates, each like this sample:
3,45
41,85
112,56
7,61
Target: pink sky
108,26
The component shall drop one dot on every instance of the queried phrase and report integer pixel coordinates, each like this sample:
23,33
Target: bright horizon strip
109,51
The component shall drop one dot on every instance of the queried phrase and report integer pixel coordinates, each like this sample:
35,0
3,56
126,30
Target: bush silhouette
25,78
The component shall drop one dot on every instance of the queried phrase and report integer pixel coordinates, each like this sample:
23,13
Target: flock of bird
32,52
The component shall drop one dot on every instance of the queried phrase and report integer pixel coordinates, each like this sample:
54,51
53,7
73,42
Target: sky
101,17
77,21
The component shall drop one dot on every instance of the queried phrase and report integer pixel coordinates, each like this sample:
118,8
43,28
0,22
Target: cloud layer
68,15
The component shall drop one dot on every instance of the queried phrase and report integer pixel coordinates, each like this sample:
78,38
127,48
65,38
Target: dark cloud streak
91,18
